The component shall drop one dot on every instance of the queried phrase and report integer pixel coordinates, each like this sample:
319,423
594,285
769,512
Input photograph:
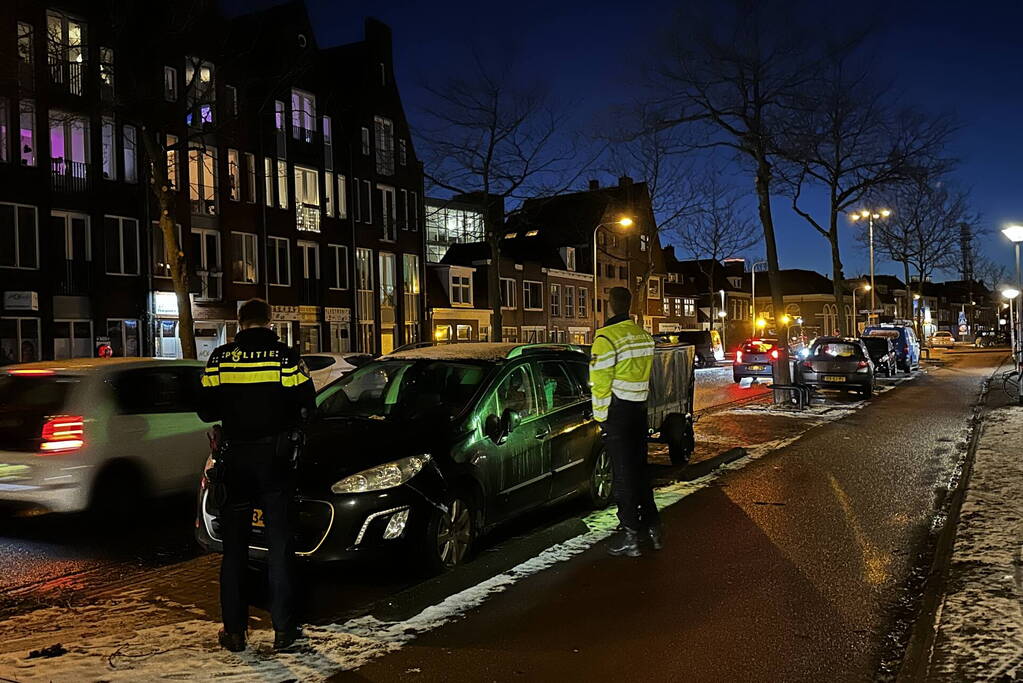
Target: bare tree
923,232
656,156
720,228
731,71
851,141
488,135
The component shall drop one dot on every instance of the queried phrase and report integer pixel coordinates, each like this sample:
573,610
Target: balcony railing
67,75
305,134
307,217
69,176
74,278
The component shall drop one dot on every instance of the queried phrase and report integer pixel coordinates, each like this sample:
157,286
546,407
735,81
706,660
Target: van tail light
62,434
905,349
774,354
862,366
738,356
808,365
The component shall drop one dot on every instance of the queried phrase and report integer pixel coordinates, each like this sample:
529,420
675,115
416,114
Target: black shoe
234,642
625,542
656,535
286,638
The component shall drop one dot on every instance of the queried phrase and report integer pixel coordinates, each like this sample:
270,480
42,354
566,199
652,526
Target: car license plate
834,378
257,518
756,367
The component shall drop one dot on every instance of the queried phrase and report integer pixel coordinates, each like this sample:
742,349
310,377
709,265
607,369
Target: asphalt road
71,553
799,566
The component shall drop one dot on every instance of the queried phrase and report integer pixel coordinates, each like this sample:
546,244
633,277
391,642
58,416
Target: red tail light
738,356
774,354
862,364
808,365
905,349
62,434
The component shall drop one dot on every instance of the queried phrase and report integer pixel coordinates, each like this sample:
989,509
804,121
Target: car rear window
891,334
25,402
876,344
758,346
829,350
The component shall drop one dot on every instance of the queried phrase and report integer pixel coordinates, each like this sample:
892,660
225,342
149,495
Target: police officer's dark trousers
258,476
625,432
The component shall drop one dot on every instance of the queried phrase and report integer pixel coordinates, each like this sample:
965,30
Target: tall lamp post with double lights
1011,294
871,215
624,222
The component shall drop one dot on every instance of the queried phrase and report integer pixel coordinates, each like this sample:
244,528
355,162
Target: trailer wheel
681,440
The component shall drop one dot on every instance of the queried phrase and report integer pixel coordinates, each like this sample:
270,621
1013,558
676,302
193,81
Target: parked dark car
426,449
907,344
755,358
706,357
838,363
882,353
989,338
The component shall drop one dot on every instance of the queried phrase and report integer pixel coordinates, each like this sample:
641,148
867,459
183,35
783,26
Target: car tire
601,487
450,534
120,491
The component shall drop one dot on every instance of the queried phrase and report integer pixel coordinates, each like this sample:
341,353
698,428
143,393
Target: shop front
211,325
339,328
20,328
285,321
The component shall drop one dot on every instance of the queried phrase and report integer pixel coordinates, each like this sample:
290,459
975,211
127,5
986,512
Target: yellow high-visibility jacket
621,358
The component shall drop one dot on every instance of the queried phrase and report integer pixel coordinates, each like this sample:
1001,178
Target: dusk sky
944,56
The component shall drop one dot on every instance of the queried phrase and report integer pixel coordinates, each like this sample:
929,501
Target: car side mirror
510,421
492,428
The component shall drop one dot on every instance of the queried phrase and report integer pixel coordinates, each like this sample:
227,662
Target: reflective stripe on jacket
621,358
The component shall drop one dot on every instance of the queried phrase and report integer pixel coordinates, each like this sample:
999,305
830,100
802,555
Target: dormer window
568,256
461,288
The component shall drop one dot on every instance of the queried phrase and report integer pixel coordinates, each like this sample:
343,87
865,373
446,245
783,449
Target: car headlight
381,477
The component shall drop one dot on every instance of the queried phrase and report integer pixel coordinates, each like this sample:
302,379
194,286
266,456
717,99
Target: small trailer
670,402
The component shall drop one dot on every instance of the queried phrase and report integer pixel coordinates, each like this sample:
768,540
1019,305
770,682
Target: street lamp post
624,222
1011,295
753,293
866,288
870,215
1015,234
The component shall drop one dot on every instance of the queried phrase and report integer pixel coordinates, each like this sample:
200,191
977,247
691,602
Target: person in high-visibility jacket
622,356
259,389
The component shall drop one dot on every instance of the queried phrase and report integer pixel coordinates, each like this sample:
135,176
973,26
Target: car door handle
542,433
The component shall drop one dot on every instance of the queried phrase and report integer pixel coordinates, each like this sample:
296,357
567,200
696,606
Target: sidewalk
980,622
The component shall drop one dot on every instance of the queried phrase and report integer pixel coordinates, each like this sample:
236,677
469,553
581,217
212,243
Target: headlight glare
381,477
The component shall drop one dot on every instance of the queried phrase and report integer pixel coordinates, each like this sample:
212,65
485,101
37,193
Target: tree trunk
493,234
838,277
909,294
763,188
165,201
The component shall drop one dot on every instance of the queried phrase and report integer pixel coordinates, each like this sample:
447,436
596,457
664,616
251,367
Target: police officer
622,356
258,388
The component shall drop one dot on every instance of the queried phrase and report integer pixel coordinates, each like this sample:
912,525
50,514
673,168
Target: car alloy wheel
602,480
454,533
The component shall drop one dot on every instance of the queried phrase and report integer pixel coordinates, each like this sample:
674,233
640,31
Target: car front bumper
338,527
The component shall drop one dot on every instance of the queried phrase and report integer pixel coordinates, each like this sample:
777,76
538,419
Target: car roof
484,351
850,340
87,365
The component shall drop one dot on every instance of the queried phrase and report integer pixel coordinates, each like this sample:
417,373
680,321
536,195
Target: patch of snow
980,625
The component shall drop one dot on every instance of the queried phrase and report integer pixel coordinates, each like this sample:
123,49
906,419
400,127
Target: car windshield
876,345
25,401
405,389
758,346
832,350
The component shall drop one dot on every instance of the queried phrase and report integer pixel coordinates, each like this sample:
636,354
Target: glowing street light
761,323
1010,294
624,222
870,215
865,288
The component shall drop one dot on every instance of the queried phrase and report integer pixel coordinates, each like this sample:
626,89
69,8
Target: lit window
510,235
532,233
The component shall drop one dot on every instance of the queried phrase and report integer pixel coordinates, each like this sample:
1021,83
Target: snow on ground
132,639
980,624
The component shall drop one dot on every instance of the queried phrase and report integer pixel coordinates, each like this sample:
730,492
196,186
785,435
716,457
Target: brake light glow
738,356
30,373
774,354
62,434
808,365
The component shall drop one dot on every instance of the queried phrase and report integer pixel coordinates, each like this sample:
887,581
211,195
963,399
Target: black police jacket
256,386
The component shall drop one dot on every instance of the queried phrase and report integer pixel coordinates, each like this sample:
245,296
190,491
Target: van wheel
449,535
601,480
